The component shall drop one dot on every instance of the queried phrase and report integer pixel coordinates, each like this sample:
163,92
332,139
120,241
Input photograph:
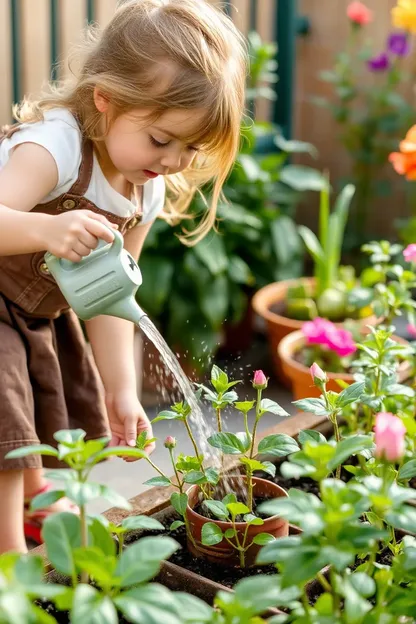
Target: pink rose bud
389,436
409,254
411,330
358,13
170,442
318,376
259,380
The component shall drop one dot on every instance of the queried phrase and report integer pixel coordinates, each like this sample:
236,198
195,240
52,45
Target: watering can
104,282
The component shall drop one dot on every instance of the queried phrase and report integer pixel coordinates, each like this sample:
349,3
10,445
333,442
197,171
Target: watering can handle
115,248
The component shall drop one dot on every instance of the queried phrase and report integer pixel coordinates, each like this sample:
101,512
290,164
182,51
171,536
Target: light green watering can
104,282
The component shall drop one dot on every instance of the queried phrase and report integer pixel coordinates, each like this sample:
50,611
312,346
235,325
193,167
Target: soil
183,558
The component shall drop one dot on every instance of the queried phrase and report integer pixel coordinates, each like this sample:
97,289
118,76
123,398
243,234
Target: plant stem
327,587
335,596
219,422
157,469
256,422
246,423
120,543
306,606
172,459
194,444
249,489
84,538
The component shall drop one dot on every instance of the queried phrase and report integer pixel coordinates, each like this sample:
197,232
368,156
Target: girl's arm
112,341
29,176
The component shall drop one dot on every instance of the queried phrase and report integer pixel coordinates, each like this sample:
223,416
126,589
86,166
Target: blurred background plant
196,294
366,103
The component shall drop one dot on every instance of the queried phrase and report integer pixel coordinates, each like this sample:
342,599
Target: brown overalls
47,379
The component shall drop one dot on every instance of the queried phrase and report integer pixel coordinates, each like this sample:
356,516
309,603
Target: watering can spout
126,309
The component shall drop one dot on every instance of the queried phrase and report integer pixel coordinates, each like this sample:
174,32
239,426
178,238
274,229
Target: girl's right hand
74,234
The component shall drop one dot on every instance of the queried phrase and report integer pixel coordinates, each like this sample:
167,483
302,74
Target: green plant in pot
335,293
95,578
218,511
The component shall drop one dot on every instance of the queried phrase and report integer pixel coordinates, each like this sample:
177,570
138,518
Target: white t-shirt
59,133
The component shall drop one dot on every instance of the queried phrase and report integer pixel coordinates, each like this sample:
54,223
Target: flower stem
172,459
84,538
219,421
120,543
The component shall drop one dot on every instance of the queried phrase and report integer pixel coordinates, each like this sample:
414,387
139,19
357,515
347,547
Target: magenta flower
398,44
316,331
379,63
341,341
319,378
389,436
409,254
259,380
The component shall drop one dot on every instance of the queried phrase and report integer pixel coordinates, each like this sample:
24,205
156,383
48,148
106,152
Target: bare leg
11,517
34,480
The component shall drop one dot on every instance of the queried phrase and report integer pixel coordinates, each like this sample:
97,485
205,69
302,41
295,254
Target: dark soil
183,558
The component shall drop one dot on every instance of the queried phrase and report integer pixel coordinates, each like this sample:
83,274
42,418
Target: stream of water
202,429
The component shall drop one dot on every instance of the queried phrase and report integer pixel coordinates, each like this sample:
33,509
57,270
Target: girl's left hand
127,420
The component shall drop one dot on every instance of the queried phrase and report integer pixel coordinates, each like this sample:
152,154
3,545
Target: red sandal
33,520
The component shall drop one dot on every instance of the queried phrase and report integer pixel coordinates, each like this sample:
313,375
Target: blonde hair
127,61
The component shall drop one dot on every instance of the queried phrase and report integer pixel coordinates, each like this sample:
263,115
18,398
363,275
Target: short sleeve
153,205
60,135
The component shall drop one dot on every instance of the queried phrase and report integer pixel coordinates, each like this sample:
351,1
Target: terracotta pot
223,553
278,325
300,377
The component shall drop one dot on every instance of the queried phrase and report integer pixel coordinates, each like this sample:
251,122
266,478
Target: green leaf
267,405
47,498
90,607
303,178
348,447
61,533
158,482
149,604
141,561
70,437
34,449
310,435
295,147
363,584
312,244
101,567
148,523
263,538
244,406
179,502
236,509
314,406
230,443
219,379
212,253
251,519
100,536
29,570
167,415
120,451
213,476
211,534
83,493
195,477
114,497
408,470
259,593
277,445
254,464
175,525
192,609
217,508
350,394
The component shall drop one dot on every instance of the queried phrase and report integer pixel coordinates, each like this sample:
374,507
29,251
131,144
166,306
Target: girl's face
141,150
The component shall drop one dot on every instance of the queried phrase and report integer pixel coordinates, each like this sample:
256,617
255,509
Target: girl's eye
191,148
157,143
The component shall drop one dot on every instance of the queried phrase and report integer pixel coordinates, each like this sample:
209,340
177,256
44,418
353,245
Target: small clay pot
278,325
223,553
300,377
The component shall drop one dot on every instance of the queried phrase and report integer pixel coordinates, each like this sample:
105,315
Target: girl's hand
74,234
127,420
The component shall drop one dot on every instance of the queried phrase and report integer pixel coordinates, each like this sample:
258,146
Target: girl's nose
172,159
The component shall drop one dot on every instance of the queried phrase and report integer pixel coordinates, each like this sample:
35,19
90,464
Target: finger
130,430
73,256
103,219
98,229
88,240
81,249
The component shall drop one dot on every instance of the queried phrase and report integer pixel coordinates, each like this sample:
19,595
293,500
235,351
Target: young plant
82,547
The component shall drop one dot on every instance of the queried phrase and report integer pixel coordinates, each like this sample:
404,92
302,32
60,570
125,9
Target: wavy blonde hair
127,62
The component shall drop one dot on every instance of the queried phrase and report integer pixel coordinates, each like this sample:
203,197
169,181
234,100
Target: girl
158,101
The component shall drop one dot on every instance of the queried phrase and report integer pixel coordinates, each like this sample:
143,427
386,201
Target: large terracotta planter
300,377
223,553
278,325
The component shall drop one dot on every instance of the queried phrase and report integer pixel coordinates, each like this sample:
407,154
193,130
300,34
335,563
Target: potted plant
333,293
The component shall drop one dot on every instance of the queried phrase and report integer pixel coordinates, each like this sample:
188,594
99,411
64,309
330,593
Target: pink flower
358,13
316,331
409,253
170,442
411,330
341,341
259,380
389,436
318,376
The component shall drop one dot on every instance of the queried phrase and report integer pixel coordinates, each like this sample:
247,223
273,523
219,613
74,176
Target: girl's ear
101,101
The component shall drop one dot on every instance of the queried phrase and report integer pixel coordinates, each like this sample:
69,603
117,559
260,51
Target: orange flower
404,15
358,13
404,162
